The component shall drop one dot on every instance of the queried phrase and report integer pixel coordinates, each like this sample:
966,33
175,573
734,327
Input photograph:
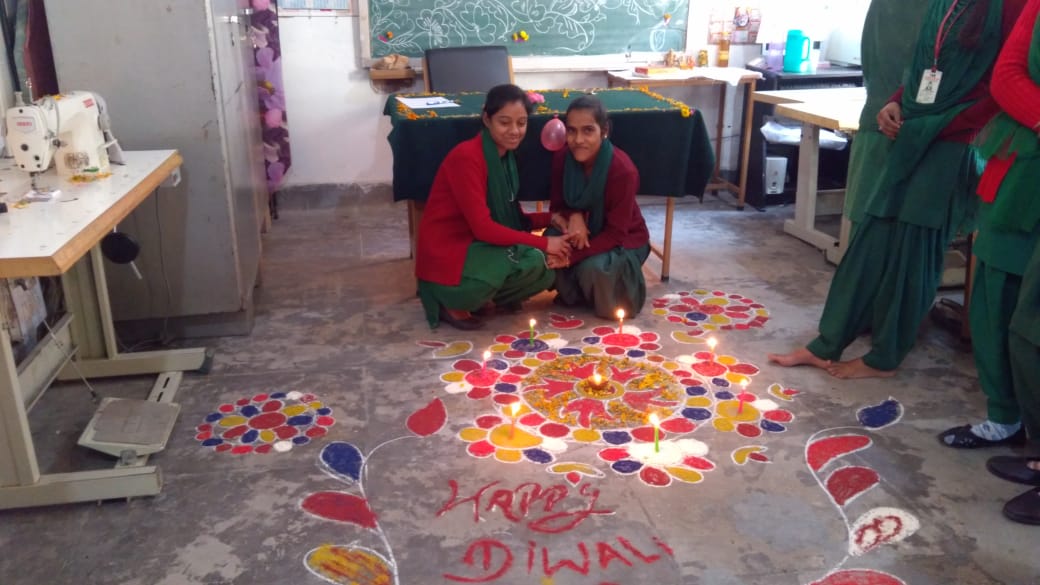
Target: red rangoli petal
532,419
655,477
678,425
487,421
479,392
554,430
226,408
613,454
481,449
748,430
779,415
698,463
646,434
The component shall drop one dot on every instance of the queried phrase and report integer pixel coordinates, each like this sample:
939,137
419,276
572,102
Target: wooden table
702,77
838,110
61,237
830,108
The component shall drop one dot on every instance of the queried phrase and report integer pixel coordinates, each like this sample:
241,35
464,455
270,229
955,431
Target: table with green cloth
666,140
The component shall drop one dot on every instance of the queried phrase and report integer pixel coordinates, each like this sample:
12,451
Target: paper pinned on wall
418,103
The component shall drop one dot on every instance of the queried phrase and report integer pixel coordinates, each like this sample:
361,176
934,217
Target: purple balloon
554,135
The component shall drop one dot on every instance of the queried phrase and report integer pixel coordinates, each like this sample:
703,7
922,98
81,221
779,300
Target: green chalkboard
553,27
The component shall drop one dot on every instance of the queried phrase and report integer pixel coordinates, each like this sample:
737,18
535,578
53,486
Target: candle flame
514,408
620,313
531,322
654,420
487,355
743,384
597,379
712,342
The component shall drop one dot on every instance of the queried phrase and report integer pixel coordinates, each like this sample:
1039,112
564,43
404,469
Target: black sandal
470,323
963,438
1024,508
1014,469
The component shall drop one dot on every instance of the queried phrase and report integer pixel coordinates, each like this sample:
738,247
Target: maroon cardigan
457,214
623,223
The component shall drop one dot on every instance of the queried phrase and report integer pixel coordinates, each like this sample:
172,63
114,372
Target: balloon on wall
554,134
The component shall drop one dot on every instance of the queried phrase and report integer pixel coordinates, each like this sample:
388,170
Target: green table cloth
666,140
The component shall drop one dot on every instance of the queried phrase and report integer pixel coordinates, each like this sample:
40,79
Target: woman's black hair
599,113
502,95
971,33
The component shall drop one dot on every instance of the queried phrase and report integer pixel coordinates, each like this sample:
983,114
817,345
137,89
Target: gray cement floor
338,324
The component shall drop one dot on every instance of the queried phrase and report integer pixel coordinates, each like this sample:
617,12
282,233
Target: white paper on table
418,103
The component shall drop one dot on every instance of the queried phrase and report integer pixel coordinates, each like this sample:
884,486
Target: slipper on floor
963,438
1014,469
1024,508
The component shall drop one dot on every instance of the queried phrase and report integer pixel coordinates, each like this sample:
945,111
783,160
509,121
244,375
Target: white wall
336,127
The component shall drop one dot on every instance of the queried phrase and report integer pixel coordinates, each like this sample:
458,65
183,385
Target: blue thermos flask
796,54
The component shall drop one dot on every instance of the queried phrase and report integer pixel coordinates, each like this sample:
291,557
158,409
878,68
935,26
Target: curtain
271,92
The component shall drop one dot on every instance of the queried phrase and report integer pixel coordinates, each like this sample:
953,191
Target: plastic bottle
724,50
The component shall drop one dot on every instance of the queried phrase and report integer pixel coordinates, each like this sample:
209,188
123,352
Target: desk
834,109
666,140
701,77
61,237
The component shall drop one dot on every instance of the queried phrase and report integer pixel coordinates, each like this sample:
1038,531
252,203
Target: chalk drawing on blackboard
555,27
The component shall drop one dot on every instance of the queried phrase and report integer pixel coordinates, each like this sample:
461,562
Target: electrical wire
68,355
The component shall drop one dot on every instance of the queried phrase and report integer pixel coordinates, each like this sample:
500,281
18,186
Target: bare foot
799,357
854,369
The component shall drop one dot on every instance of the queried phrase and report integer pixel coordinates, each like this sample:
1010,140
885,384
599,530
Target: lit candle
514,408
711,347
657,432
743,389
620,320
483,369
597,380
531,324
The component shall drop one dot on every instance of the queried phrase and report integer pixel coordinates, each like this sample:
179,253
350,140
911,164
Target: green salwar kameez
922,196
1005,304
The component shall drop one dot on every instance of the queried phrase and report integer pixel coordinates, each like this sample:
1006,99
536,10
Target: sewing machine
72,128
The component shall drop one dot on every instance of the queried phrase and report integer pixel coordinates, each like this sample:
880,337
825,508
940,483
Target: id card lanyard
931,78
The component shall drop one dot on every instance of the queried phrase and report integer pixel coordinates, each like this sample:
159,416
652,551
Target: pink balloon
554,135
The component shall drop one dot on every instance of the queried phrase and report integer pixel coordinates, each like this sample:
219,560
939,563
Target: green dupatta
962,69
1019,208
586,193
503,185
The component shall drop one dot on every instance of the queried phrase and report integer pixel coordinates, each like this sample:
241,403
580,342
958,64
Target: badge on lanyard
929,88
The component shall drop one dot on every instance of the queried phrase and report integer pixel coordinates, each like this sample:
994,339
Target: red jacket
623,223
967,124
1013,88
457,214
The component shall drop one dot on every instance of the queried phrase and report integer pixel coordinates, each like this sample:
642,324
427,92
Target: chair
456,69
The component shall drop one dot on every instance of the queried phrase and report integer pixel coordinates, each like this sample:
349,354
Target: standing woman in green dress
1005,301
593,201
887,280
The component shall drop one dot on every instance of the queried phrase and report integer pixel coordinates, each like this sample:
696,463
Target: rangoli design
265,422
843,483
549,396
704,311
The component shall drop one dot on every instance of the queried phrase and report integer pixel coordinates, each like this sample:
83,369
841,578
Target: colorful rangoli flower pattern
702,312
278,421
549,395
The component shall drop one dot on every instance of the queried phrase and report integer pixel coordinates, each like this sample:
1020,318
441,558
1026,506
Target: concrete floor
337,319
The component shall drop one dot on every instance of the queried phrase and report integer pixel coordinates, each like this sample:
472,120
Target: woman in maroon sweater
594,202
475,244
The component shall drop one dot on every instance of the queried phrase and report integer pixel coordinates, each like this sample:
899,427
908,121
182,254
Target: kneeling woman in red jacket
475,244
594,189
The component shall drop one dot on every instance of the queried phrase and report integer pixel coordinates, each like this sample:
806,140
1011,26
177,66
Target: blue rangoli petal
626,466
278,395
503,387
617,437
880,415
636,353
301,440
538,455
772,427
299,420
696,413
250,436
696,390
720,382
569,351
590,339
343,459
214,417
249,410
212,442
724,395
